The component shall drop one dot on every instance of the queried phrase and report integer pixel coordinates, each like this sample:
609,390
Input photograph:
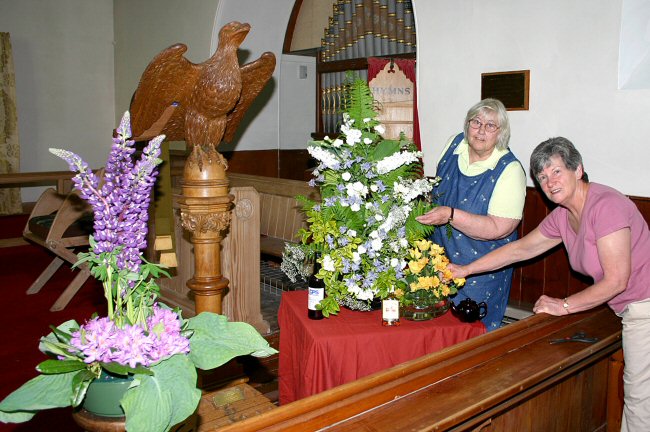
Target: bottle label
315,297
390,309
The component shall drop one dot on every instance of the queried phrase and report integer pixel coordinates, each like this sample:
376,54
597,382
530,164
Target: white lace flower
328,263
352,136
367,141
346,176
337,143
376,244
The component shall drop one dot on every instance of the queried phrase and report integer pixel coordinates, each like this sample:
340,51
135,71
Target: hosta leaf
42,392
217,341
159,401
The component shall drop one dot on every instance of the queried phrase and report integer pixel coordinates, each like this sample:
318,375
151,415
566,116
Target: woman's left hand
550,305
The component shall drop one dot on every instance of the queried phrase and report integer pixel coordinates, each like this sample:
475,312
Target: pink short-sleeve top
606,210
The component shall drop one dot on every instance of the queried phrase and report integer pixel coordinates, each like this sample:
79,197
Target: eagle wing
254,76
169,78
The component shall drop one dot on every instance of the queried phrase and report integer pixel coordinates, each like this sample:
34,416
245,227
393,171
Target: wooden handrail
59,178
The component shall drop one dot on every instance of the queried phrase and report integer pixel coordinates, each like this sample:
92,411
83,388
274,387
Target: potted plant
141,341
371,190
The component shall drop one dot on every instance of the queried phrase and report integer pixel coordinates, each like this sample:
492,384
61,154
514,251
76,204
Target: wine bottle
316,289
390,310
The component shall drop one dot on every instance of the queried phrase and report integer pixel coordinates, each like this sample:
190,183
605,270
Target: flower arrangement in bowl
371,191
140,340
424,292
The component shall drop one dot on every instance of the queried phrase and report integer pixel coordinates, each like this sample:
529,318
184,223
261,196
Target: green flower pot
104,395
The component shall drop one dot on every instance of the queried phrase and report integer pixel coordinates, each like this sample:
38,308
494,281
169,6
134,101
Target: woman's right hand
436,216
458,271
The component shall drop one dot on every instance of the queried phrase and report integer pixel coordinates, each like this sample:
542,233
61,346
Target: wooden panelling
287,164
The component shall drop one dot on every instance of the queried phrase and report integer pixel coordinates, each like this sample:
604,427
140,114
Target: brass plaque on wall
511,88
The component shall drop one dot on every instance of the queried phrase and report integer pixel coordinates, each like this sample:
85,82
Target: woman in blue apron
481,196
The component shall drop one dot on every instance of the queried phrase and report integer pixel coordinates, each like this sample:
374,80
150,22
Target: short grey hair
492,106
558,146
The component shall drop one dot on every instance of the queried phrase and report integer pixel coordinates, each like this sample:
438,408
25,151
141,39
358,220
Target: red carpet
25,318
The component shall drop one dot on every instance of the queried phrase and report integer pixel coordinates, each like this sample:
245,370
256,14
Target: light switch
302,72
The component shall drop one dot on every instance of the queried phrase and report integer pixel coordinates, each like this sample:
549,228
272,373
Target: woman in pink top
606,238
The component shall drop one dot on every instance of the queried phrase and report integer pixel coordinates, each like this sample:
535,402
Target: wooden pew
508,380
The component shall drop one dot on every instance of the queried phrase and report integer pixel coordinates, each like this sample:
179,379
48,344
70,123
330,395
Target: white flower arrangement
371,189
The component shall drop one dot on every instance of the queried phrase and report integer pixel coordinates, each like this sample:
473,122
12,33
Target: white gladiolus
326,158
396,160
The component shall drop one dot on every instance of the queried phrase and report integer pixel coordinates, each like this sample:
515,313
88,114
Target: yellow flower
399,292
417,266
459,281
447,274
423,244
444,289
415,254
437,249
428,282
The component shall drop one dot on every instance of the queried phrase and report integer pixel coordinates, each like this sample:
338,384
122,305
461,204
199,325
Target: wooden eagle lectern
211,99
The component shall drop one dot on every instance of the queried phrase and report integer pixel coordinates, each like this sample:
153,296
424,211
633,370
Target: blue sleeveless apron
472,194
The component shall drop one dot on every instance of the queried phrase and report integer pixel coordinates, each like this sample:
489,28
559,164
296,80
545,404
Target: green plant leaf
39,393
159,401
216,341
60,366
80,383
122,370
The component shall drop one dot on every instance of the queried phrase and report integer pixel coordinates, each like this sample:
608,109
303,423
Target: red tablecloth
318,355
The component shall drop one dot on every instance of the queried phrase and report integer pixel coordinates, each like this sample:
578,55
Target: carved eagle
201,104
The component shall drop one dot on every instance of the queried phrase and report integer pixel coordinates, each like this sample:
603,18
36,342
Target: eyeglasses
489,127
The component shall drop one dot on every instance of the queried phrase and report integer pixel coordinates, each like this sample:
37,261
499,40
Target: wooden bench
280,213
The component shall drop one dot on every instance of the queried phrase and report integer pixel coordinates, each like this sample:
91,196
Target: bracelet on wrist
565,305
451,216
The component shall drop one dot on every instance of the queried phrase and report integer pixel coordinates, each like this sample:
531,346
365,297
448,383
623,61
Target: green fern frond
414,229
359,103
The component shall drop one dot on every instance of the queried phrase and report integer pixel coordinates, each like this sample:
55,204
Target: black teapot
468,310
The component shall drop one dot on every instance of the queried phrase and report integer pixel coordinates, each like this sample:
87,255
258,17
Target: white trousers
636,374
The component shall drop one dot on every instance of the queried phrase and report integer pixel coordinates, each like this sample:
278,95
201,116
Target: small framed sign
511,88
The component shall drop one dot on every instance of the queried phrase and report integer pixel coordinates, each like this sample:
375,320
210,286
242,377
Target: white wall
268,19
143,28
571,49
63,58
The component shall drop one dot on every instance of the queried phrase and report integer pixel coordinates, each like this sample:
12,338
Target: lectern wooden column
210,100
205,213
